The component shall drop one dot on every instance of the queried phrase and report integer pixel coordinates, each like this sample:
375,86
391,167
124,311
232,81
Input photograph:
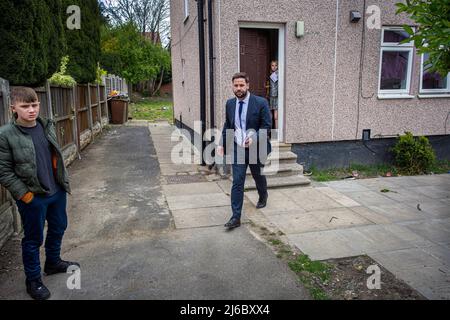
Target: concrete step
280,182
283,170
282,147
283,157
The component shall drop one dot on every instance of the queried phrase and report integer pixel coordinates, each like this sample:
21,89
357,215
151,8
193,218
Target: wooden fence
80,112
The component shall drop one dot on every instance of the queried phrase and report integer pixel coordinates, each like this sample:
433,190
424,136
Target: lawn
152,109
370,171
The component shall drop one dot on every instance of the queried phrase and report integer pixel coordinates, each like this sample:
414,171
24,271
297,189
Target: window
395,62
431,82
186,9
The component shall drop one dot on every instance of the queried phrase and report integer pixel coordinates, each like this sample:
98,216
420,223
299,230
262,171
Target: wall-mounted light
299,29
355,16
366,134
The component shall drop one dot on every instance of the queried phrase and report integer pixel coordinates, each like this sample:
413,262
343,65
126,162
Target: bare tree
148,15
152,17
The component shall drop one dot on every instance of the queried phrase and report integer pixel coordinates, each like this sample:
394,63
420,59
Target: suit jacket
258,117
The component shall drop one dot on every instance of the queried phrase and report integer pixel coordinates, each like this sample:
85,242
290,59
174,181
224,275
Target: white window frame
421,90
395,46
186,10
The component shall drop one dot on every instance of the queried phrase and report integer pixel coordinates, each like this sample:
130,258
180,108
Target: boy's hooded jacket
18,168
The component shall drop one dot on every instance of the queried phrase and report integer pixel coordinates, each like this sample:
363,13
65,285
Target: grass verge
152,109
360,171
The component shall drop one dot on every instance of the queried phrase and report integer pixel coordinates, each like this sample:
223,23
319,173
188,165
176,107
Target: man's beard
240,95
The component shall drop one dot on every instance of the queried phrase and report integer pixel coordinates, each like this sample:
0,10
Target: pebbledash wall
331,89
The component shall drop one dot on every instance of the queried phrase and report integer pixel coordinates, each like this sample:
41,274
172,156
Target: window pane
394,69
432,80
395,35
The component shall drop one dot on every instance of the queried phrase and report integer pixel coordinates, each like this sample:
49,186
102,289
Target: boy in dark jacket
33,171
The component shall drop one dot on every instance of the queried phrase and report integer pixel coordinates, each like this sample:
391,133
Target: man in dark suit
245,139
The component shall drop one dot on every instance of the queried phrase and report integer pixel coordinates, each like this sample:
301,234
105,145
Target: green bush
61,78
31,40
413,155
83,45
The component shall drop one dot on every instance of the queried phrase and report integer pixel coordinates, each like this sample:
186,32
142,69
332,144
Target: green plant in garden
100,73
433,34
413,155
61,78
125,52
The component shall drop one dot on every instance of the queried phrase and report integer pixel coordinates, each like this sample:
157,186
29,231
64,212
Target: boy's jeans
34,214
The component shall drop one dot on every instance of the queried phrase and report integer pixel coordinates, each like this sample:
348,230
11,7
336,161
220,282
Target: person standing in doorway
245,132
273,92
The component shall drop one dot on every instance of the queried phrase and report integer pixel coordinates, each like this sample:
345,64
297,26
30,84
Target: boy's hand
27,197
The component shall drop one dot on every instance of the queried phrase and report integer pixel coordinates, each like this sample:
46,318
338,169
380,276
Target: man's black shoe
233,223
37,290
261,202
60,267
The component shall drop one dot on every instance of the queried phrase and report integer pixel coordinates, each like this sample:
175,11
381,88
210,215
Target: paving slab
191,188
434,192
346,186
434,208
197,201
420,269
401,194
310,199
340,218
322,245
399,212
437,231
440,252
276,203
173,169
293,222
370,198
203,217
377,184
371,215
338,197
378,238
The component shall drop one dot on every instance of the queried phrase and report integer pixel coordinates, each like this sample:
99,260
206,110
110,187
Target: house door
255,58
257,48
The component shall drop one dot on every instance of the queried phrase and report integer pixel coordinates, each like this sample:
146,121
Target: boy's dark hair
23,94
241,75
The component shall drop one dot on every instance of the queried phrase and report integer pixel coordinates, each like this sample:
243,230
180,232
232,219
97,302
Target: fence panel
4,118
63,112
82,108
103,102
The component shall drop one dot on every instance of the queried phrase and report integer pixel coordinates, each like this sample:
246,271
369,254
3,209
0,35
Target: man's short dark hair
23,94
241,75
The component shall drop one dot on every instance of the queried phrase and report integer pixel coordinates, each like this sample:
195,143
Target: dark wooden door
254,58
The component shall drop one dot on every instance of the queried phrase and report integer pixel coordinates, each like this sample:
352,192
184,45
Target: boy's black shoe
37,290
60,267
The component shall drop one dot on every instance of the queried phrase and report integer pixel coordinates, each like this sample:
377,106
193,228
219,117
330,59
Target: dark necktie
241,103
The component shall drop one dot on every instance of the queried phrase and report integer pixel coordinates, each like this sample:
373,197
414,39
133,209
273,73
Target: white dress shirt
240,133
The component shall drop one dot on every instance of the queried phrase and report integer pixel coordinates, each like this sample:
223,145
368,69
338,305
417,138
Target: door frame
281,66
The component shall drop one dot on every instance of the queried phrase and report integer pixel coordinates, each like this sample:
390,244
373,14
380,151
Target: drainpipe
211,71
211,64
201,52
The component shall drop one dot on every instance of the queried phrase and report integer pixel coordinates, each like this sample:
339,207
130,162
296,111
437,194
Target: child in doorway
273,92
